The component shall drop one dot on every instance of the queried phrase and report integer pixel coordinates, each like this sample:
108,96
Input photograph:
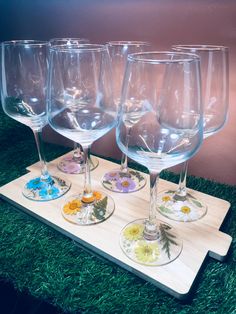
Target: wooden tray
200,238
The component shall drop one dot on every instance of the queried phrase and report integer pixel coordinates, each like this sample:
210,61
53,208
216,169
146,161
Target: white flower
185,211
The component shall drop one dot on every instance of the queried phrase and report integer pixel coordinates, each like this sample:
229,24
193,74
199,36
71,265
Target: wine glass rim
25,42
68,39
127,42
199,47
162,57
78,48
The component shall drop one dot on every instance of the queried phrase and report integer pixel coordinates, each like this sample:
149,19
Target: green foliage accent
124,175
99,210
61,182
167,238
178,197
165,209
170,192
197,203
107,182
137,174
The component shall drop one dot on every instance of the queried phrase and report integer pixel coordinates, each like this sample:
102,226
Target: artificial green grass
49,266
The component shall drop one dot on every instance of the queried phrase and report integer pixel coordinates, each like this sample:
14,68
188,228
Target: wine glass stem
124,158
39,142
87,178
182,191
151,230
77,152
124,163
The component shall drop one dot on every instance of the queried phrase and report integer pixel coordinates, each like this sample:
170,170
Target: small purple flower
49,192
125,184
35,184
112,176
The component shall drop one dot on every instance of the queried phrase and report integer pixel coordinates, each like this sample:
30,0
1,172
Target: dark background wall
163,23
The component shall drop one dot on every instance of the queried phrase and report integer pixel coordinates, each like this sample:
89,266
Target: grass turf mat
49,266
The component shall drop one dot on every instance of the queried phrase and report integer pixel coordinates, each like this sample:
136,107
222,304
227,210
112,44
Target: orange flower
95,197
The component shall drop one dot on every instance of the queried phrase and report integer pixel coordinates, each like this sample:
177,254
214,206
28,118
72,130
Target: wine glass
84,118
23,94
161,110
181,205
73,163
123,179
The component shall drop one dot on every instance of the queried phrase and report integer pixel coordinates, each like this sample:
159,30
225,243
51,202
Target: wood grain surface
200,238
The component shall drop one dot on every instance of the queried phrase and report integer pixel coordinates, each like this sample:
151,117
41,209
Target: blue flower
35,184
49,192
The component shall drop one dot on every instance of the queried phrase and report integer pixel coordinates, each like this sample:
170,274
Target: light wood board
200,238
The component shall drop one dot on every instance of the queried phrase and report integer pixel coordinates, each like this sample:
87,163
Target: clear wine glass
74,162
123,179
23,94
181,205
84,118
161,111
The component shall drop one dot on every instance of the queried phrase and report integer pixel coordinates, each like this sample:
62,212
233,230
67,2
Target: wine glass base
165,249
172,206
39,190
69,165
80,211
123,182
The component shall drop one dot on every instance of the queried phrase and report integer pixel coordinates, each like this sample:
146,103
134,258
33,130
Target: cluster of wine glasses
162,104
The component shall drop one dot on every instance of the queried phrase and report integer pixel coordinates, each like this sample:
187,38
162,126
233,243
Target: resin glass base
161,251
177,208
88,211
45,190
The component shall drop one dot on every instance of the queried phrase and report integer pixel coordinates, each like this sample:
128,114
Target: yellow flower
133,232
185,209
147,252
166,198
71,208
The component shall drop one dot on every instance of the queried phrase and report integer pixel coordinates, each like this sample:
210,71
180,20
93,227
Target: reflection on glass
162,114
83,118
24,72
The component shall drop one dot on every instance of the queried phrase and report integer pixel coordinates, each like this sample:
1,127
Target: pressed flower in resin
166,198
96,196
125,184
35,184
133,232
49,192
185,211
147,252
71,208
